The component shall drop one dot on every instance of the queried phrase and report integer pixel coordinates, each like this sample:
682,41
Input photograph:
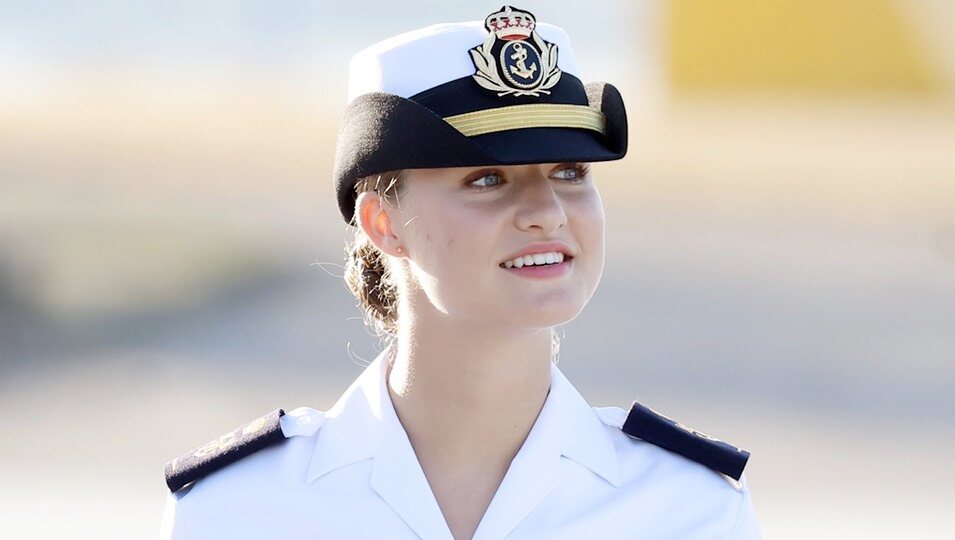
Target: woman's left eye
575,172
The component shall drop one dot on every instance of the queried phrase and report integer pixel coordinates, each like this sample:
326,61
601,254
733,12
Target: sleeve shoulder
747,525
210,482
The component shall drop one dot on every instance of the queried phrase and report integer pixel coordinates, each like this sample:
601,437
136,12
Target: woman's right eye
490,180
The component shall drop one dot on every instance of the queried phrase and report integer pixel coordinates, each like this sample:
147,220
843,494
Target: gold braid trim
528,116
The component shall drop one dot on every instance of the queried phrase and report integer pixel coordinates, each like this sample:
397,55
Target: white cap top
415,61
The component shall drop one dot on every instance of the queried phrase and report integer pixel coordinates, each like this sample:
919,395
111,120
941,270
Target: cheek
600,220
589,228
589,215
452,245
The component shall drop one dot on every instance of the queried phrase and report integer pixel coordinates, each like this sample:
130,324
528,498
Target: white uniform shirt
351,473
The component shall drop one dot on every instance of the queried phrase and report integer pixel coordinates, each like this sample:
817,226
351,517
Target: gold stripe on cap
528,116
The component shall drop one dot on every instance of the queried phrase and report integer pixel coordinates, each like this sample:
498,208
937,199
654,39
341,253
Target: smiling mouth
566,258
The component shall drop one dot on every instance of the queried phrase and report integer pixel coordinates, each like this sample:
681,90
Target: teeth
535,259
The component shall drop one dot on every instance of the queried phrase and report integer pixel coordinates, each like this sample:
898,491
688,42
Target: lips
542,272
542,247
566,259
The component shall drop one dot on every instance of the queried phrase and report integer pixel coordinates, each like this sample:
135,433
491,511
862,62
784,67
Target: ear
376,222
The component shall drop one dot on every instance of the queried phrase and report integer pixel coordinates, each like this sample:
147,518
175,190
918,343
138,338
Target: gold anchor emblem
521,69
524,65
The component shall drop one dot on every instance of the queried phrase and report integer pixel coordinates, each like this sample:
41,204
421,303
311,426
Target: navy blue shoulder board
229,448
655,428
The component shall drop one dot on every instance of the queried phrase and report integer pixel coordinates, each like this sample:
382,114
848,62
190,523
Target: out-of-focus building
841,46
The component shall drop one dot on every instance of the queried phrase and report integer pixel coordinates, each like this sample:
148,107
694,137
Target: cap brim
383,132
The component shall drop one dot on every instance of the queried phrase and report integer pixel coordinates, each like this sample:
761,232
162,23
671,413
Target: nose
540,206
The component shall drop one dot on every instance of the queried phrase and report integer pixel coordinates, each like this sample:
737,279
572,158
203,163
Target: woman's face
457,226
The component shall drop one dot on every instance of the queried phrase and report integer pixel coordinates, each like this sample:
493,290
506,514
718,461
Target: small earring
399,250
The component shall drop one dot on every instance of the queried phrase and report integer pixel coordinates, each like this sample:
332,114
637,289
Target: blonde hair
368,272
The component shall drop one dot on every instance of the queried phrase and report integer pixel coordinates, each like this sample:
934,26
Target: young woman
463,162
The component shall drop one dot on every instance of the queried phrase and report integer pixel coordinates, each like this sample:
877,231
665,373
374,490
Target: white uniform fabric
351,473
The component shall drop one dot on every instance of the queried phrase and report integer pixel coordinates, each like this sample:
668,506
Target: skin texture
471,371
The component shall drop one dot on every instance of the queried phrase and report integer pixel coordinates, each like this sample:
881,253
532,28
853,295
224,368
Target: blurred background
780,266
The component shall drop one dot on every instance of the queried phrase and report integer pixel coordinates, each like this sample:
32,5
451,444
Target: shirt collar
363,424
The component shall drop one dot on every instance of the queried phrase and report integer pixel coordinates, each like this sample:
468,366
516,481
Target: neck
466,400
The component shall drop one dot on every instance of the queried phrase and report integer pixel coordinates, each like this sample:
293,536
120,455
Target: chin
546,316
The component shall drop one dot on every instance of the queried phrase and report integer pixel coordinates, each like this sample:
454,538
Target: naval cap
503,91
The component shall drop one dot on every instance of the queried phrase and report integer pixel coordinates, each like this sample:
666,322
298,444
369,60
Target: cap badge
514,59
